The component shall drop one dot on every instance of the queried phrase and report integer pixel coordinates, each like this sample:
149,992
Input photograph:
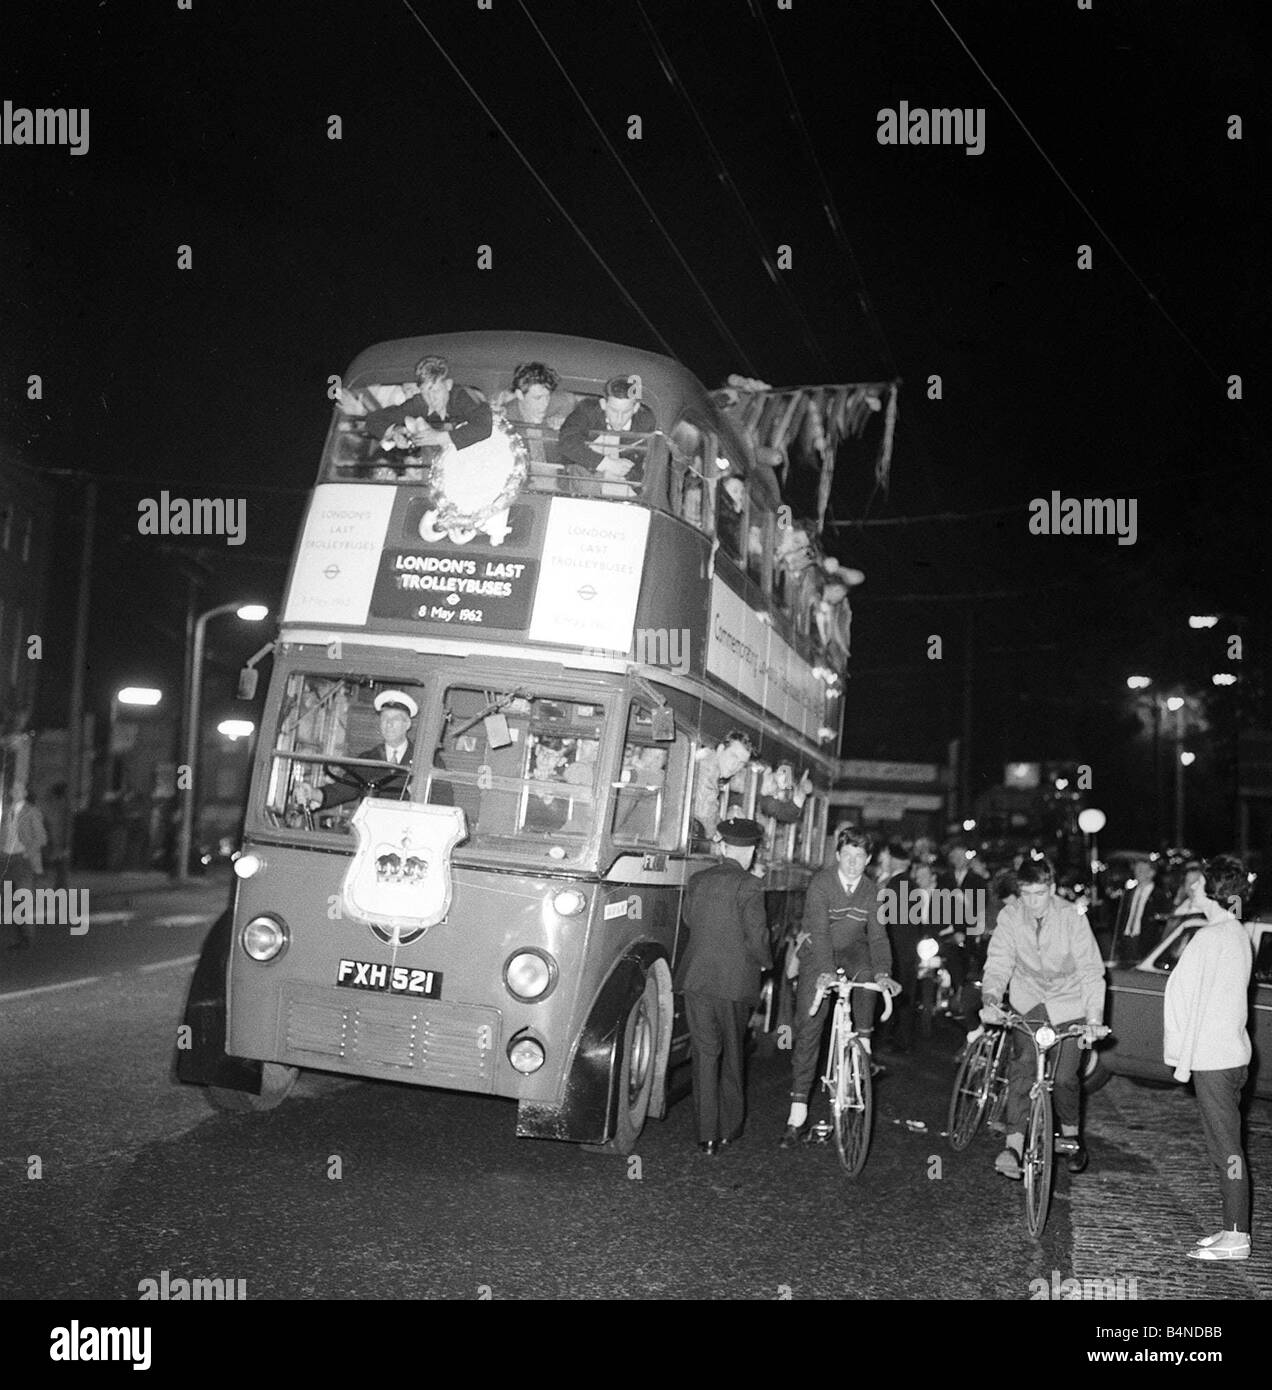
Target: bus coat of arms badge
399,883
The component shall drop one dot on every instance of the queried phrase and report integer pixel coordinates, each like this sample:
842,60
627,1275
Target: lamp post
1090,822
1176,706
249,613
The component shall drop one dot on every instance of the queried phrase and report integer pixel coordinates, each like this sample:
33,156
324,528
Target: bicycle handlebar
1074,1030
843,985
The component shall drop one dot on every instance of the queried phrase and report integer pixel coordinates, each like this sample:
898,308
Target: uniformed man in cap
719,976
396,710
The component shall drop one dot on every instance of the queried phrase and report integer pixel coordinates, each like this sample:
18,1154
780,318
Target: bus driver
396,710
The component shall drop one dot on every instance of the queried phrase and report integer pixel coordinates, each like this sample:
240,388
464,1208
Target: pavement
1153,1192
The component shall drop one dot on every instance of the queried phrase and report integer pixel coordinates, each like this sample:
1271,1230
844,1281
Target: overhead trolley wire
725,332
726,178
538,178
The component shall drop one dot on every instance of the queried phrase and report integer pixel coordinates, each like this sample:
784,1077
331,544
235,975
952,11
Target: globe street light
1090,822
248,613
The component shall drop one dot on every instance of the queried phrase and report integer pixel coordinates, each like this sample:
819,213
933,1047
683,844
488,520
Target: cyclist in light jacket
1043,949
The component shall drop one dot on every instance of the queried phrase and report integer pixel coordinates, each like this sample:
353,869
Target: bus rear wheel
276,1083
638,1050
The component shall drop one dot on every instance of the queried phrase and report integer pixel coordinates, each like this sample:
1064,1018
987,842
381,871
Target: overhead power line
725,332
726,178
538,178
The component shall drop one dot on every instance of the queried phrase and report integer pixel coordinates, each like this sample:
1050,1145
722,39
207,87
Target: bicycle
1038,1161
980,1087
847,1080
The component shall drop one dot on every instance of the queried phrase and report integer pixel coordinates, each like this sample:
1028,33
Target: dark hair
1225,878
897,850
623,387
534,374
1005,885
740,736
852,835
1035,871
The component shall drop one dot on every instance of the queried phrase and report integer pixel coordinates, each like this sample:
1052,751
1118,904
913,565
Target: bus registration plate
390,979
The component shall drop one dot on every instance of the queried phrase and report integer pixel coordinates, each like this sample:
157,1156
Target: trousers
1066,1092
717,1030
1219,1100
809,1030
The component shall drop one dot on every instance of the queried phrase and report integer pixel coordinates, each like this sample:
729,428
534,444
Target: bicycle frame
1039,1154
847,1079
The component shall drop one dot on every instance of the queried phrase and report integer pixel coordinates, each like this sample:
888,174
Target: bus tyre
1094,1073
638,1049
276,1084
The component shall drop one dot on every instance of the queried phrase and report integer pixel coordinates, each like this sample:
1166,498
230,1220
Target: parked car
1134,1008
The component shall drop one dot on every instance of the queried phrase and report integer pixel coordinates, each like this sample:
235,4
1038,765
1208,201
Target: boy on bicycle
1044,949
841,918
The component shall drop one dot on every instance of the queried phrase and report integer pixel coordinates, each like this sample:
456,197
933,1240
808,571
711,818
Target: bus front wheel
639,1049
276,1084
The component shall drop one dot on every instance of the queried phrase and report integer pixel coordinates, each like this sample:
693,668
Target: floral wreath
449,515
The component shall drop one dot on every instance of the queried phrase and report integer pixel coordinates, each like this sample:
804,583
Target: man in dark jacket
719,976
595,444
396,710
841,917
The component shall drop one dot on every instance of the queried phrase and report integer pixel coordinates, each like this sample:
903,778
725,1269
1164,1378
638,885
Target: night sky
209,128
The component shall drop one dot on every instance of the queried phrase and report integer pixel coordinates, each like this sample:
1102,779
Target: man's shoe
792,1135
1008,1164
1077,1160
732,1139
1219,1248
710,1147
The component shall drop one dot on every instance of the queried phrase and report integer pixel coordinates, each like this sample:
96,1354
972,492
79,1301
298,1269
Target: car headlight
530,975
264,938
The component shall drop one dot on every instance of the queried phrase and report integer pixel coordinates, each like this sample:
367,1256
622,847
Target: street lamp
1090,822
248,613
1203,620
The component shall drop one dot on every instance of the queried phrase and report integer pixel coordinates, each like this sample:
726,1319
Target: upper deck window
731,515
692,475
386,434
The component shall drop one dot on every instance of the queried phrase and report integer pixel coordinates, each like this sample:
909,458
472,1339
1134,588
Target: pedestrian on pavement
841,917
1044,951
57,820
1205,1037
22,841
719,976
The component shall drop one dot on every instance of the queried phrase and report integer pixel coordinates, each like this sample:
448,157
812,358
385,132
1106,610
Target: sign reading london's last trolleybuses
569,574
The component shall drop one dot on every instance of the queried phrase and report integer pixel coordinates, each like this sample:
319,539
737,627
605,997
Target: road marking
165,964
97,979
101,919
185,919
46,989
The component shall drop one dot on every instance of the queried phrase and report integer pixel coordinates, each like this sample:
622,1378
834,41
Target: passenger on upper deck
534,398
588,449
440,412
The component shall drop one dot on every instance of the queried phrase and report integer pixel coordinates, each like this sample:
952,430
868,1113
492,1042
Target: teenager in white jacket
1205,1038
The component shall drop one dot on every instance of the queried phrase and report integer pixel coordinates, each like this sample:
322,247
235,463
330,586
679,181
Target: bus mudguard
588,1110
201,1054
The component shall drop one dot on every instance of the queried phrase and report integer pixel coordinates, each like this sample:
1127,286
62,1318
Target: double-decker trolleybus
516,652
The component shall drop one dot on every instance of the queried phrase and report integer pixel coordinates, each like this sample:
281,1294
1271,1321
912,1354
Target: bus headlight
264,938
248,865
526,1054
1046,1036
530,975
569,902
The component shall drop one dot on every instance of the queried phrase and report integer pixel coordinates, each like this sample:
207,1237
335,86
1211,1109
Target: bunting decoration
805,425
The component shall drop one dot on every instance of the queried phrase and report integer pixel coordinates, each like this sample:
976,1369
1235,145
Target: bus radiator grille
435,1043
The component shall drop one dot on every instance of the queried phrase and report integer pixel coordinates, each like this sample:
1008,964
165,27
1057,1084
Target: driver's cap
396,699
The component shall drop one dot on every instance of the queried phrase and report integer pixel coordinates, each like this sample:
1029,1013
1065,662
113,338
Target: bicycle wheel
970,1094
855,1110
1039,1157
